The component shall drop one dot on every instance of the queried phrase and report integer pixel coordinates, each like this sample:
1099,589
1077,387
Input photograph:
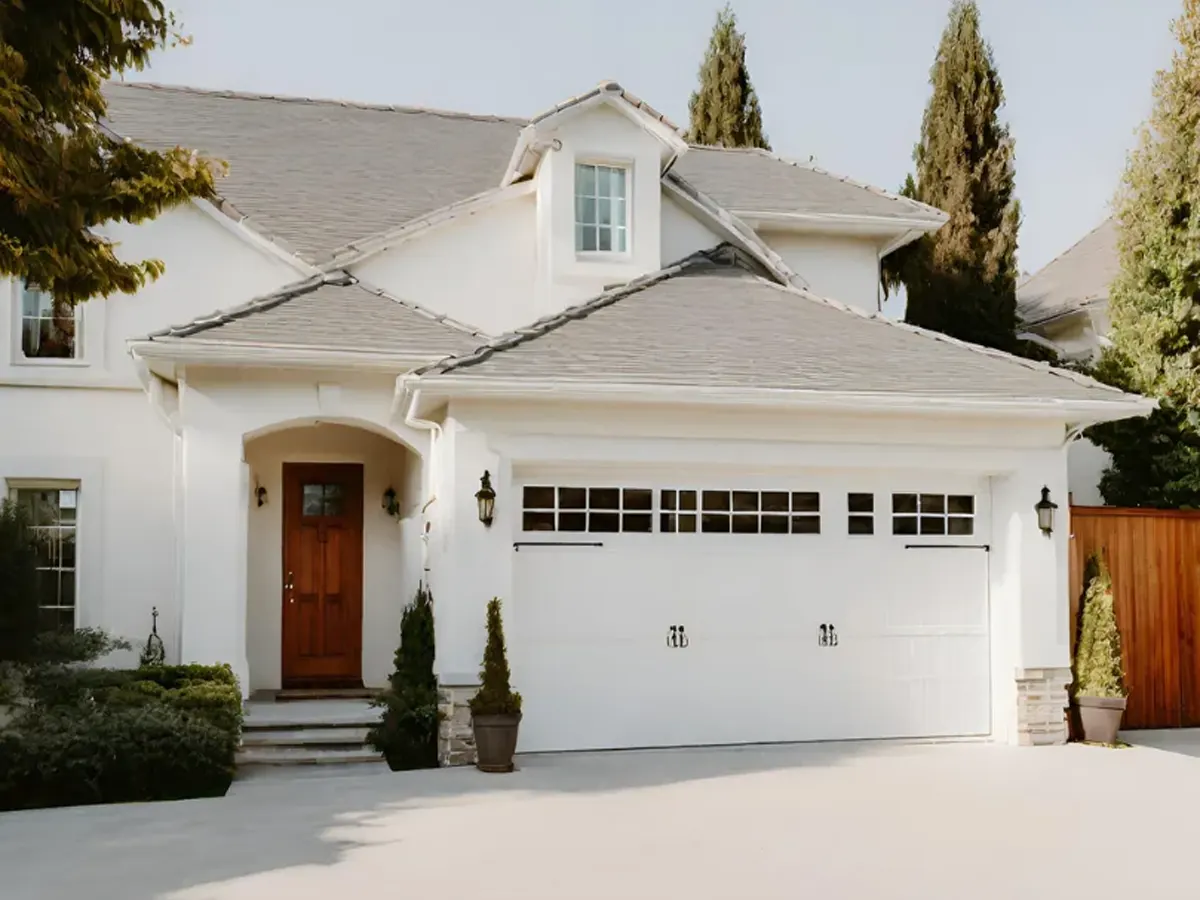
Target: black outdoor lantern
1045,512
390,503
486,498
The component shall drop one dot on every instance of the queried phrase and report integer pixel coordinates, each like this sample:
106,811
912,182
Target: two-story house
666,361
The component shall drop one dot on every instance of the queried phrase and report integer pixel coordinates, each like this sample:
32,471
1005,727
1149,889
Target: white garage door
737,610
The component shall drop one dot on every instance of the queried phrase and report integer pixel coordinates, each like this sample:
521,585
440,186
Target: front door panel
322,574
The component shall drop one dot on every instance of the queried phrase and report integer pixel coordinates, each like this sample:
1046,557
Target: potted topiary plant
496,707
1099,673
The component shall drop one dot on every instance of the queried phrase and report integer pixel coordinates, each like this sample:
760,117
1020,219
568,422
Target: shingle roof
333,311
319,174
759,181
709,323
1076,279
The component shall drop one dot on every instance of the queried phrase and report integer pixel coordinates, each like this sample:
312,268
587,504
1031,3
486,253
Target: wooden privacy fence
1154,558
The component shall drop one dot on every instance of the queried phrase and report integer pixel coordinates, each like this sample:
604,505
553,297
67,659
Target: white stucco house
733,502
1064,306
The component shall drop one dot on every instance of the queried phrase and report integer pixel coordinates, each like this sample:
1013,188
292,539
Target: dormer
597,161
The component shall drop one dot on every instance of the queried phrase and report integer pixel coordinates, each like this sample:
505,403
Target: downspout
435,436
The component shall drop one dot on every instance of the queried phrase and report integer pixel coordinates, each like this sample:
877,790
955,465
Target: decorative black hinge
827,635
677,638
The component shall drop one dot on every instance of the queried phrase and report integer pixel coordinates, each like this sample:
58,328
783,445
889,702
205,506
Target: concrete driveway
863,820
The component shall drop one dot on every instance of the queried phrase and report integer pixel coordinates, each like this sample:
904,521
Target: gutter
198,351
1121,406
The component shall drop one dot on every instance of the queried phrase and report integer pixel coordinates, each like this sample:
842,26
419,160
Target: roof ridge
418,308
316,101
1035,365
554,321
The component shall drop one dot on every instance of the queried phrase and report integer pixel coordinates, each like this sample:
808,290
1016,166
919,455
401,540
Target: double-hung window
51,515
50,329
601,209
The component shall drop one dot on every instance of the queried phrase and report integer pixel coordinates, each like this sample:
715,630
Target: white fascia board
437,389
840,222
200,352
239,228
364,249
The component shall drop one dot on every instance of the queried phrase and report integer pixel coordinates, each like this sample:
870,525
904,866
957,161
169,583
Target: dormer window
601,209
50,329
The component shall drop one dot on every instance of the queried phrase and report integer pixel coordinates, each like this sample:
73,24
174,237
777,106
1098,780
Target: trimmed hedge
120,735
96,754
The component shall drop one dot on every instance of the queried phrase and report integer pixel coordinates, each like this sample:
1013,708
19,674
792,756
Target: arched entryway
333,552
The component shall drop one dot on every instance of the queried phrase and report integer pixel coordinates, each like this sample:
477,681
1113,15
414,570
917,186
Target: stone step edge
259,758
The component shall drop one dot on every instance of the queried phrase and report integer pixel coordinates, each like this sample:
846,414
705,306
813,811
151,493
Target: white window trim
605,255
86,475
87,318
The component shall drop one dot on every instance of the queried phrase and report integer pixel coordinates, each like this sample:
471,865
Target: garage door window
605,510
740,512
933,514
861,519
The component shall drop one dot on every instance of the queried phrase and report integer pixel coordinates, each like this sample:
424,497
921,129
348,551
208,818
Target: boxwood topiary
495,696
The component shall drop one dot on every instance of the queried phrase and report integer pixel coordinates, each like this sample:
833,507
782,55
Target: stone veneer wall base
1042,702
456,738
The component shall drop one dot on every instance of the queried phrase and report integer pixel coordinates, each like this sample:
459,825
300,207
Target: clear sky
844,81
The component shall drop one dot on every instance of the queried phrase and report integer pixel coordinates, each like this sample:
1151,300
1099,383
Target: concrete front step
303,737
305,756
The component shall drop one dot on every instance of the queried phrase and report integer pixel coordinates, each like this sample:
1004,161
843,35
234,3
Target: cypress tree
61,174
724,110
1154,302
962,279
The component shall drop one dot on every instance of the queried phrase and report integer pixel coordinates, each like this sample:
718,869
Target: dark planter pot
495,742
1100,718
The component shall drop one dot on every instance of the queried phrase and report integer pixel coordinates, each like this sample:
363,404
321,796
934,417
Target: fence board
1154,558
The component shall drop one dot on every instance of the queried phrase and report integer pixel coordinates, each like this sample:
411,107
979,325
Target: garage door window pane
639,522
745,501
933,525
715,501
604,498
904,524
572,498
860,503
776,502
775,524
638,498
539,498
806,524
715,523
961,525
904,503
572,521
745,524
961,505
538,521
807,501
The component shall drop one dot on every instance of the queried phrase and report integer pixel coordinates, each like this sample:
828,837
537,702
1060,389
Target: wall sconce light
486,498
1045,512
260,494
390,503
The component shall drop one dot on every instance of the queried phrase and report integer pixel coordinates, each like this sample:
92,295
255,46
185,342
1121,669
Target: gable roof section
712,322
330,312
1073,281
315,175
748,180
320,176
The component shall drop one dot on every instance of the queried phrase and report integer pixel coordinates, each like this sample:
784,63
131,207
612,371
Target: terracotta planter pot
1100,718
495,742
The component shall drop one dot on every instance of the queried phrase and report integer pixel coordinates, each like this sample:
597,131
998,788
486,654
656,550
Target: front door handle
288,586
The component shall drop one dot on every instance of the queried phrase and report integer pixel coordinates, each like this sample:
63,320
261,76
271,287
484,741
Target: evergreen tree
1154,303
62,175
1099,671
407,731
961,280
495,696
724,111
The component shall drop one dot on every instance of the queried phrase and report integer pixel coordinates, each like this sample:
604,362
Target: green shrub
495,696
111,754
18,585
1099,671
407,731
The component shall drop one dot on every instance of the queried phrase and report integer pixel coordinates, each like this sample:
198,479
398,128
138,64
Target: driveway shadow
291,818
1184,741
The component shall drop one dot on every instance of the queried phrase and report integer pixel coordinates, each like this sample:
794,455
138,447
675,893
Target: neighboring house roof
316,176
752,180
1075,280
334,311
710,321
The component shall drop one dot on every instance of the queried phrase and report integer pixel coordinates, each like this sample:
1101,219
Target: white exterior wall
480,269
90,420
682,233
839,267
391,557
1028,580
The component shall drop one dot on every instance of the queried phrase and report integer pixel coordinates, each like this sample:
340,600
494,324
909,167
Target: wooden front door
322,574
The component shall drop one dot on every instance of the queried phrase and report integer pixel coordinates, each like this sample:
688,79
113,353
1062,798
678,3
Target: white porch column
1030,609
216,502
470,564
